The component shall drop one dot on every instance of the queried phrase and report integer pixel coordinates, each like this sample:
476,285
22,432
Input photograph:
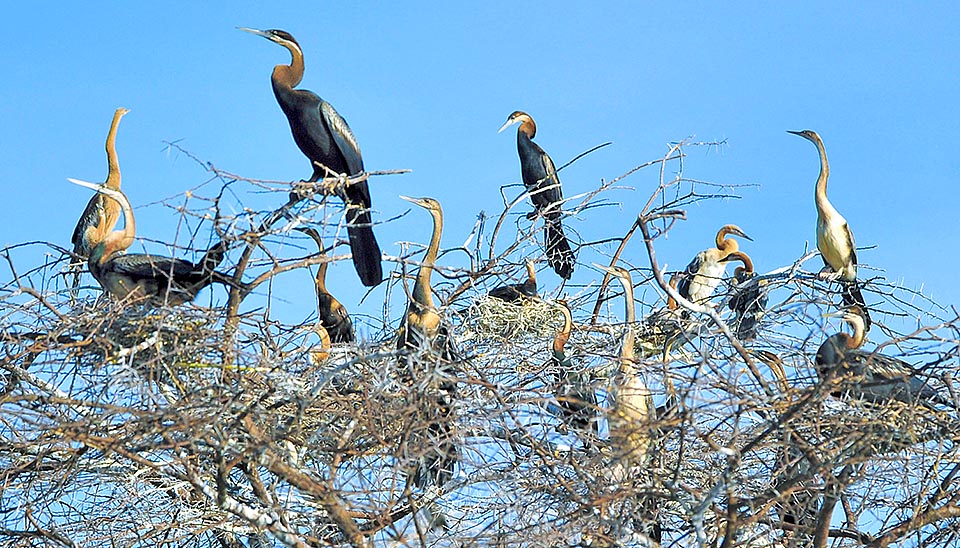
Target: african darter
578,401
704,272
543,185
834,237
333,316
748,300
325,138
136,276
516,292
875,377
101,214
422,336
634,413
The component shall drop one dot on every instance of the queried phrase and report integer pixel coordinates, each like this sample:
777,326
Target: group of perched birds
326,140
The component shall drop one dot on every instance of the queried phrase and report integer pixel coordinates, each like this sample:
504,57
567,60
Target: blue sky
425,87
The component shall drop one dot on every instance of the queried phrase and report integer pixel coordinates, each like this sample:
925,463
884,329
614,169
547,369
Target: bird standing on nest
517,292
748,301
333,316
138,275
578,401
872,376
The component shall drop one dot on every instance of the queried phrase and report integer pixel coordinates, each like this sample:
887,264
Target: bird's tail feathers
559,254
364,248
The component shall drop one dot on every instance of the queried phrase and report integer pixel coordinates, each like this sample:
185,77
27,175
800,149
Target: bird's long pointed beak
800,133
409,199
607,269
508,123
94,186
253,31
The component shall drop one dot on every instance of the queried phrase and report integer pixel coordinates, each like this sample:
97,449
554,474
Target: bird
143,276
704,272
422,334
871,376
102,213
332,314
325,139
542,183
748,300
634,413
321,355
834,237
516,292
578,401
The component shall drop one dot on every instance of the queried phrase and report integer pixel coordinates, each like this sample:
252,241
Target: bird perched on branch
578,401
333,316
872,376
102,213
139,275
325,138
834,237
703,274
748,301
542,183
516,292
425,339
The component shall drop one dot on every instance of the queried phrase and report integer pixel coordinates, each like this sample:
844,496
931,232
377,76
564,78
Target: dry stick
702,309
830,496
239,290
607,277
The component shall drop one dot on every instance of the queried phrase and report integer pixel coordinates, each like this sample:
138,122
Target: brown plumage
749,300
102,213
427,342
577,399
702,276
332,314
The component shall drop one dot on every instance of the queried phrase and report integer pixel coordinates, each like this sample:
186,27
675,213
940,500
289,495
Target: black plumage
517,292
326,140
542,183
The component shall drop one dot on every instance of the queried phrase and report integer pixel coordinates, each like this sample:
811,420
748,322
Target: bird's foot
827,274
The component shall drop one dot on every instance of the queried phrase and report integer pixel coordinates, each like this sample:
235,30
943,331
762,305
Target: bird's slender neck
629,338
289,76
564,334
821,191
528,127
728,245
531,271
671,302
422,292
113,163
855,340
118,240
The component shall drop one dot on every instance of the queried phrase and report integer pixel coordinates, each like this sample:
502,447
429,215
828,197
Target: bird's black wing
141,265
686,277
92,215
342,137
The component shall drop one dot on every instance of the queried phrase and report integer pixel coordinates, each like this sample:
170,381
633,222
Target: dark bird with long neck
834,237
517,292
425,339
102,213
874,377
325,139
332,314
542,183
748,300
577,399
142,276
703,274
